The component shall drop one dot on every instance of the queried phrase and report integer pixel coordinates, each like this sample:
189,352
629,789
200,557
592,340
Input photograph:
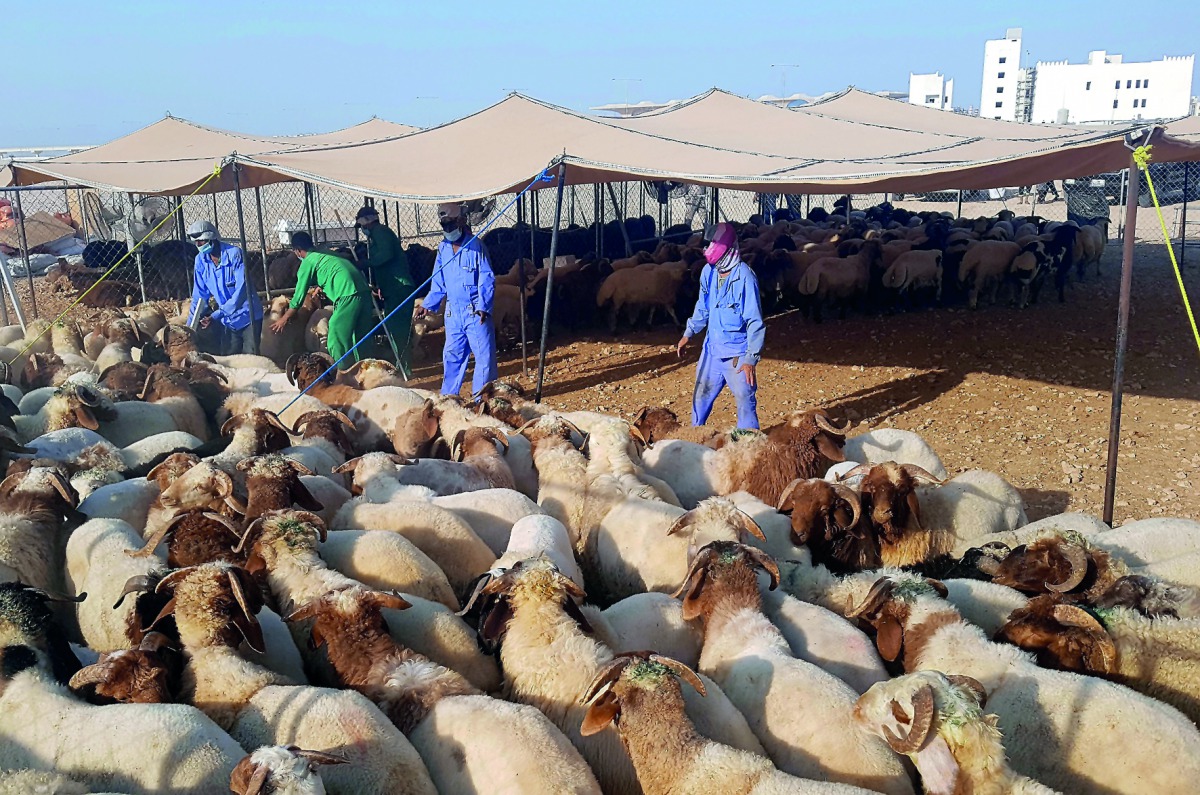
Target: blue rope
543,177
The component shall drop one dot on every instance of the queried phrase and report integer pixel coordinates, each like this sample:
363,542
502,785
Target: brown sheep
893,512
841,280
173,391
208,384
477,448
329,425
1063,637
273,484
984,267
825,518
195,536
415,431
656,423
146,674
125,380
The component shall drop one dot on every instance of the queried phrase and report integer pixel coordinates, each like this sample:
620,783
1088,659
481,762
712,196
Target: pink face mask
723,240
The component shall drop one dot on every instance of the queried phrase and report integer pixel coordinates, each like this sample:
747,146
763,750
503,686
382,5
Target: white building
1107,89
1001,74
931,91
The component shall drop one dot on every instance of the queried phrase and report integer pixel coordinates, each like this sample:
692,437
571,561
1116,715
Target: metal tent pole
237,200
612,194
1187,179
959,213
537,395
1114,424
262,240
521,287
25,255
137,255
309,210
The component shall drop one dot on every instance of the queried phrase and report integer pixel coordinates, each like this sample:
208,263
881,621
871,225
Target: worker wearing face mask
463,278
387,267
729,306
221,275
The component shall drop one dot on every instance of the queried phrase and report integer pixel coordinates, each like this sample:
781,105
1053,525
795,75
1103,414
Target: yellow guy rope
1141,156
216,173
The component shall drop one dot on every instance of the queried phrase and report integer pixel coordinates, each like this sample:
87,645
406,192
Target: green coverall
389,267
352,317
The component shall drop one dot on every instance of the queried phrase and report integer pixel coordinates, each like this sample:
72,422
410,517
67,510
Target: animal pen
715,157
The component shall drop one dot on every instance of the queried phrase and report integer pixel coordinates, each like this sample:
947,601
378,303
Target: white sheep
33,507
969,506
984,604
1078,523
984,266
491,513
537,535
287,770
142,452
893,444
388,561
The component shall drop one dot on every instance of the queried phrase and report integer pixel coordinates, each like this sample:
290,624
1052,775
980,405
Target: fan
131,223
478,210
664,190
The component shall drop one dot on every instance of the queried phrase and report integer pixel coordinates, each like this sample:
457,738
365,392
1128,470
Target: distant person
221,275
729,307
463,278
387,268
343,284
1045,188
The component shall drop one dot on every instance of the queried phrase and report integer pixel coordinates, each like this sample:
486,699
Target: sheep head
715,519
356,606
27,622
1063,636
886,609
133,676
813,428
171,468
40,370
79,403
43,490
629,679
502,409
367,467
201,486
268,431
548,428
280,768
277,534
1049,565
163,382
329,424
655,423
509,391
889,497
475,441
1151,597
178,342
271,472
414,430
214,604
124,379
720,569
825,517
305,369
370,373
500,594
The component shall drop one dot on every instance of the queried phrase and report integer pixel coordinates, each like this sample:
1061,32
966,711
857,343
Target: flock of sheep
211,582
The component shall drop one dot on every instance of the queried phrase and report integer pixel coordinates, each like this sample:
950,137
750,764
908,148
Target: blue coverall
237,306
464,279
732,311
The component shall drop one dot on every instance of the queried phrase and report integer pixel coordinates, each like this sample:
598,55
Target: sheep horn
879,594
851,496
225,522
572,426
273,419
87,396
636,433
607,675
477,589
231,425
825,425
918,472
90,675
685,673
922,722
300,468
787,495
342,418
241,544
498,436
63,487
298,427
527,425
456,447
972,684
290,368
349,466
321,757
641,415
154,641
1078,558
157,538
258,780
141,583
172,578
1075,616
54,596
400,460
750,526
253,631
767,563
861,469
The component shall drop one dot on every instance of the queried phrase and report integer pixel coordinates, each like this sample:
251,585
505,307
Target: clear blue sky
85,72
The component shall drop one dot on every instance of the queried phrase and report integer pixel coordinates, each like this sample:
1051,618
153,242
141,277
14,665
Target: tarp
172,156
1187,128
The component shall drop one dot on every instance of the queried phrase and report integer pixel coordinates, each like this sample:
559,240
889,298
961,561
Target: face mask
452,235
206,248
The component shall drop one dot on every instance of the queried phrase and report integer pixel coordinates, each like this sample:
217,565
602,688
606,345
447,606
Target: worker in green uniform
352,318
387,269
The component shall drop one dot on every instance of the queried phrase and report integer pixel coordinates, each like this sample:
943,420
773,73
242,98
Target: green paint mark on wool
647,673
908,589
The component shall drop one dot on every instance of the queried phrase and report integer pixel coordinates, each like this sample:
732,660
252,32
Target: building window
1146,83
1114,103
1143,103
1118,84
999,104
1137,84
1129,84
1088,87
1003,60
1000,90
1000,75
931,99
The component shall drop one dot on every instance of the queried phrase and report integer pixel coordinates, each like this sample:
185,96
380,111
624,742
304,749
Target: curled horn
498,436
226,487
684,673
241,544
921,474
91,675
766,562
150,376
972,684
527,425
157,538
861,469
750,526
154,641
171,579
349,466
787,495
63,487
573,427
825,425
290,367
87,396
319,757
343,419
54,596
851,496
456,447
252,631
1078,559
636,433
922,722
1075,616
273,419
304,419
607,675
225,522
141,583
879,594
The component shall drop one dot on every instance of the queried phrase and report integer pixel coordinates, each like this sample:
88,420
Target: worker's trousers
465,336
712,375
349,323
395,290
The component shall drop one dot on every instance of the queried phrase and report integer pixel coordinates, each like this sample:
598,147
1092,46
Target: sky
82,73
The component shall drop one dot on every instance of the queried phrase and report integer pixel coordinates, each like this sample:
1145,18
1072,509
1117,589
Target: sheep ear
86,419
938,767
391,601
575,613
304,498
889,638
315,639
694,585
495,623
830,449
603,711
349,466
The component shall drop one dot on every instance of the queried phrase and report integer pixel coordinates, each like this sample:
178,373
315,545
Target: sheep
1160,547
278,347
453,418
27,622
123,336
649,286
171,390
640,695
255,432
415,431
214,607
537,535
476,448
285,545
202,485
329,432
612,451
802,714
656,423
915,270
1077,524
372,373
984,604
273,484
77,403
548,660
1059,725
893,444
454,727
803,446
491,513
938,721
775,526
893,513
826,517
984,267
281,769
49,369
647,620
146,452
34,505
132,676
841,280
644,546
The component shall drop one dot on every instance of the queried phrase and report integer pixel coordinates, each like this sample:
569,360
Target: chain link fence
59,240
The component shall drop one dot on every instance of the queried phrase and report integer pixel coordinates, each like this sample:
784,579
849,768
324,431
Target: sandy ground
1023,393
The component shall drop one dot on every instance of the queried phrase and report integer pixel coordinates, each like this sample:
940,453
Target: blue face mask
453,235
206,248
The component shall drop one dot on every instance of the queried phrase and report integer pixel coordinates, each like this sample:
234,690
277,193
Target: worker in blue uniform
463,278
729,306
220,274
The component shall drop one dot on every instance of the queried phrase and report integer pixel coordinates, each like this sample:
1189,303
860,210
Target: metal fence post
1187,185
612,194
262,241
1123,200
537,395
137,255
959,213
25,254
308,211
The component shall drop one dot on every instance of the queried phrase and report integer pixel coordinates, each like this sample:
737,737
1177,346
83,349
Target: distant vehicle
991,194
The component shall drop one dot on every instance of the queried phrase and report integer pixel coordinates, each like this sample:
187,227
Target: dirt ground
1023,393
